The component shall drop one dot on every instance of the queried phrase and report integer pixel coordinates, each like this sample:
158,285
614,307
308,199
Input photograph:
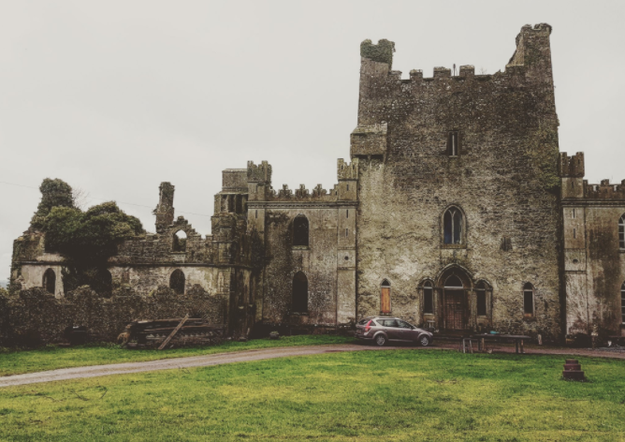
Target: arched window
385,297
452,225
623,303
621,232
300,293
528,299
176,282
103,283
300,231
49,281
179,243
428,297
482,291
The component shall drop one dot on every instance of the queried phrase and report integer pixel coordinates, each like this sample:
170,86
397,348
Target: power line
103,199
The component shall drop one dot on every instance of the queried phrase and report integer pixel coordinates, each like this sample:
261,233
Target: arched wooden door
455,304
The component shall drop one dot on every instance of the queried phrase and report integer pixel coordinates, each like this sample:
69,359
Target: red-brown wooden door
454,309
385,300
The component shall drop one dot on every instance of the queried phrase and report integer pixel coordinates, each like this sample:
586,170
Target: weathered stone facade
457,211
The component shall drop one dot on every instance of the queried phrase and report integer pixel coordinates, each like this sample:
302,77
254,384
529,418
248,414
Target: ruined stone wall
503,179
36,317
328,261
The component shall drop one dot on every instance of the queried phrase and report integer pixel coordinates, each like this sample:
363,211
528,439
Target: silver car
383,329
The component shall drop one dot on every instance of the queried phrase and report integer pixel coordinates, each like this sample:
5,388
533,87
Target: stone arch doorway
455,284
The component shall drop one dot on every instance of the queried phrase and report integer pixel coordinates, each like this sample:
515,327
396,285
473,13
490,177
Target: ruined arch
299,303
179,241
177,281
49,281
300,231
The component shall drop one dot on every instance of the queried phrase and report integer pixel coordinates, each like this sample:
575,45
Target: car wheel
380,340
424,341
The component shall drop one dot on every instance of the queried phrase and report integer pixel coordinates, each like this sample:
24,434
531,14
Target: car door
405,331
390,327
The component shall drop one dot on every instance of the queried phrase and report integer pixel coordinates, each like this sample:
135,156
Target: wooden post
173,333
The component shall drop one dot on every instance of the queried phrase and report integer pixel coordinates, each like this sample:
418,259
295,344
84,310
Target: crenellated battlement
347,171
260,173
381,53
572,166
605,190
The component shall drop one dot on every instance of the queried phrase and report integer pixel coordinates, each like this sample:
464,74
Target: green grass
52,357
395,395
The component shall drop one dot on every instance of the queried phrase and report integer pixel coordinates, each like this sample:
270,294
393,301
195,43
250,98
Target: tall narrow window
300,293
452,223
385,297
481,292
453,143
428,297
623,303
103,283
49,281
177,282
300,231
179,242
621,232
528,299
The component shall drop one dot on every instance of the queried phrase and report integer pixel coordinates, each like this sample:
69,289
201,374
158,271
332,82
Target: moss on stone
382,52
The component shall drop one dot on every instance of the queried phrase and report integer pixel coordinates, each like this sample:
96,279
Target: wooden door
385,300
454,309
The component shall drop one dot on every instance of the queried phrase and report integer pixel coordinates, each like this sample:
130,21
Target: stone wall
502,178
36,316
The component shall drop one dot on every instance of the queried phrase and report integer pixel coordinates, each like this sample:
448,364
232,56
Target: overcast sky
116,96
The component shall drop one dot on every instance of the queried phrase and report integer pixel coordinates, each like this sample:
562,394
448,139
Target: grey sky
116,96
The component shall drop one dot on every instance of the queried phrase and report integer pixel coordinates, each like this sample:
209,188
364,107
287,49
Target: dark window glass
621,233
300,293
300,231
481,301
428,298
528,299
452,224
623,302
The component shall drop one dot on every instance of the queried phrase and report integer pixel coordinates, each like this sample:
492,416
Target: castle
456,211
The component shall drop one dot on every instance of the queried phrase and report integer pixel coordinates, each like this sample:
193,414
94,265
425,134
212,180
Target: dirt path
255,355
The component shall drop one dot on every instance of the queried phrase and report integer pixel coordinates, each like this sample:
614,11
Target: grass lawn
395,395
52,357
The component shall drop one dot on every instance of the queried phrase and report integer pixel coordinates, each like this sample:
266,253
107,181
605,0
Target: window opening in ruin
428,297
573,213
385,297
623,303
480,291
179,243
348,187
256,214
300,293
176,282
346,233
49,281
528,299
621,233
239,204
574,233
347,213
300,231
453,143
452,221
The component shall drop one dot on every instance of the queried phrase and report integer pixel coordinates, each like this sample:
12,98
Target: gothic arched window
528,299
300,293
621,232
49,281
177,282
623,303
453,226
428,297
300,231
482,292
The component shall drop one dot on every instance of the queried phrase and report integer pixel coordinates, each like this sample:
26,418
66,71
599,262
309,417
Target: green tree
54,193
